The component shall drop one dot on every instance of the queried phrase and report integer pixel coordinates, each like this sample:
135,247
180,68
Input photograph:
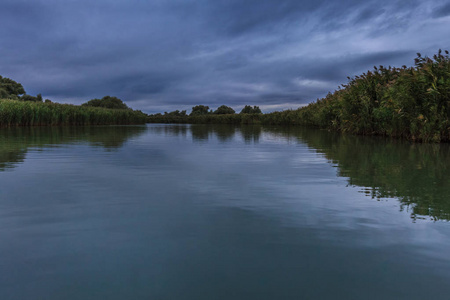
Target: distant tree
251,110
107,102
224,110
48,101
176,113
199,110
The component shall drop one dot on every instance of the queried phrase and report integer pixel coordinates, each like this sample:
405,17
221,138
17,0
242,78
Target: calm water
202,212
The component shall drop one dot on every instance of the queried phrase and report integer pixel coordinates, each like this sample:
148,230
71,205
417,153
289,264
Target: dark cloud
165,55
442,11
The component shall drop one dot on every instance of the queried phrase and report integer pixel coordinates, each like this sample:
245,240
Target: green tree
10,89
199,110
107,102
31,98
251,110
224,110
176,113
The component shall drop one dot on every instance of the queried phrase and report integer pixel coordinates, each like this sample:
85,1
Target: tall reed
21,113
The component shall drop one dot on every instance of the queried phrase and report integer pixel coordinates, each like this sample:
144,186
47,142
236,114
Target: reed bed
412,103
21,113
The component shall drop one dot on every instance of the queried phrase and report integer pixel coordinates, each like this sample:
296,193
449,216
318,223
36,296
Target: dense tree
224,110
199,110
30,98
251,110
107,102
10,89
176,113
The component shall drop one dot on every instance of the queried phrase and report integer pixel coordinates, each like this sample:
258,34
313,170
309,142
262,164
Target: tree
31,98
199,110
107,102
176,113
10,89
224,110
251,110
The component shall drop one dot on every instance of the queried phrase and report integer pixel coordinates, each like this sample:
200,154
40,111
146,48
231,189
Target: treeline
202,114
19,109
411,103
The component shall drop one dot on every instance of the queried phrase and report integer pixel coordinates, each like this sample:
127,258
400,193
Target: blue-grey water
221,212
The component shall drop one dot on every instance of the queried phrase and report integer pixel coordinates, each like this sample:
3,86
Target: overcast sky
162,55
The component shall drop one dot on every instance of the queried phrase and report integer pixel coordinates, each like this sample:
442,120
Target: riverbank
23,113
411,103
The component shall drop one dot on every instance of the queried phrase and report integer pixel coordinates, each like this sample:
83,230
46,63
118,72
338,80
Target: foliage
30,98
9,89
251,110
107,102
413,103
24,113
224,110
199,110
176,113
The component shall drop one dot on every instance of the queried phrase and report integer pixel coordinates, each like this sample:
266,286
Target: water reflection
15,142
225,133
169,130
418,175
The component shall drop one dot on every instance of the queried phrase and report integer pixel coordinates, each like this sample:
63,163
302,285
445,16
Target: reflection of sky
165,192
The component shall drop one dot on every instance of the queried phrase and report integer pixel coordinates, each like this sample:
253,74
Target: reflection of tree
169,129
14,142
417,174
200,132
225,132
251,133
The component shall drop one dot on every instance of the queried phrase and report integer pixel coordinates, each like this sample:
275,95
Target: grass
21,113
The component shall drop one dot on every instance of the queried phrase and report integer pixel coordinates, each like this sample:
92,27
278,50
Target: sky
164,55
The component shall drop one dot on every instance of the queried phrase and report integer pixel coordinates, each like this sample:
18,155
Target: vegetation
22,113
19,109
9,89
199,110
411,103
107,102
251,110
224,110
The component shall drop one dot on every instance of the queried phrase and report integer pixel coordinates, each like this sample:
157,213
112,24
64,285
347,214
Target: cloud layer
164,55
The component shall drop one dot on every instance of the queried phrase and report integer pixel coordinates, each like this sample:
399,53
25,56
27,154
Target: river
221,212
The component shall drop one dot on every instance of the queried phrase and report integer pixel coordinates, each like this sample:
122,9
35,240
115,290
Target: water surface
219,212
